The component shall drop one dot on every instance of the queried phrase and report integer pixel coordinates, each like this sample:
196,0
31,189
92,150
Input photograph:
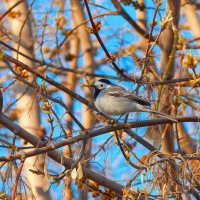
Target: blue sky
115,37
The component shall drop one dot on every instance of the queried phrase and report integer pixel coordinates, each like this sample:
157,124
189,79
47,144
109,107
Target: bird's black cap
103,80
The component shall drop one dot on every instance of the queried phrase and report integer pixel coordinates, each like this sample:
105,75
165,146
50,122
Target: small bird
115,100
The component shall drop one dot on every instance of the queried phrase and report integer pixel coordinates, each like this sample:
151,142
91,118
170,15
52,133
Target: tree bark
166,43
86,48
71,83
27,105
193,22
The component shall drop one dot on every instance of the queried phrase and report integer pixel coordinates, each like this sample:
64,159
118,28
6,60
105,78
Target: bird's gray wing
118,91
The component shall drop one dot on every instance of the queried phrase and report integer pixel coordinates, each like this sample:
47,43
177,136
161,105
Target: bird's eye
102,85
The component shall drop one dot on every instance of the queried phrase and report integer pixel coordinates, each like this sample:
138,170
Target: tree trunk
86,48
71,83
27,105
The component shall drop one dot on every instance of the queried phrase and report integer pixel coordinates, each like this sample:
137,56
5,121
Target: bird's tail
174,119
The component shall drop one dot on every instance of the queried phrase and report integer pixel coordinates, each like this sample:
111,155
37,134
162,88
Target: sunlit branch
10,9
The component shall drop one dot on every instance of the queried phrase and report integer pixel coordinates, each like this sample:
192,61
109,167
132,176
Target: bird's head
101,84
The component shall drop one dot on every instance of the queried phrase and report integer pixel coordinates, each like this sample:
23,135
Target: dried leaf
74,174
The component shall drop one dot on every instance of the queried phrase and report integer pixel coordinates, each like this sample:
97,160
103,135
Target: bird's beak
91,85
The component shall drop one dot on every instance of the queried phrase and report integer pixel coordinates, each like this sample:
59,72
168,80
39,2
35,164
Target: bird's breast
115,106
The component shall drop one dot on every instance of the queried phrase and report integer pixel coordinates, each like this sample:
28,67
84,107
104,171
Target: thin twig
111,59
14,188
125,156
10,9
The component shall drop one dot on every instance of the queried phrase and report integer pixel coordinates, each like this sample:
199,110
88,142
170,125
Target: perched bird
115,100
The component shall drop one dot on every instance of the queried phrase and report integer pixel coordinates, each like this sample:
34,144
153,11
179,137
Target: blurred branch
110,58
19,171
125,155
10,9
47,79
17,130
83,72
141,31
55,155
58,157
